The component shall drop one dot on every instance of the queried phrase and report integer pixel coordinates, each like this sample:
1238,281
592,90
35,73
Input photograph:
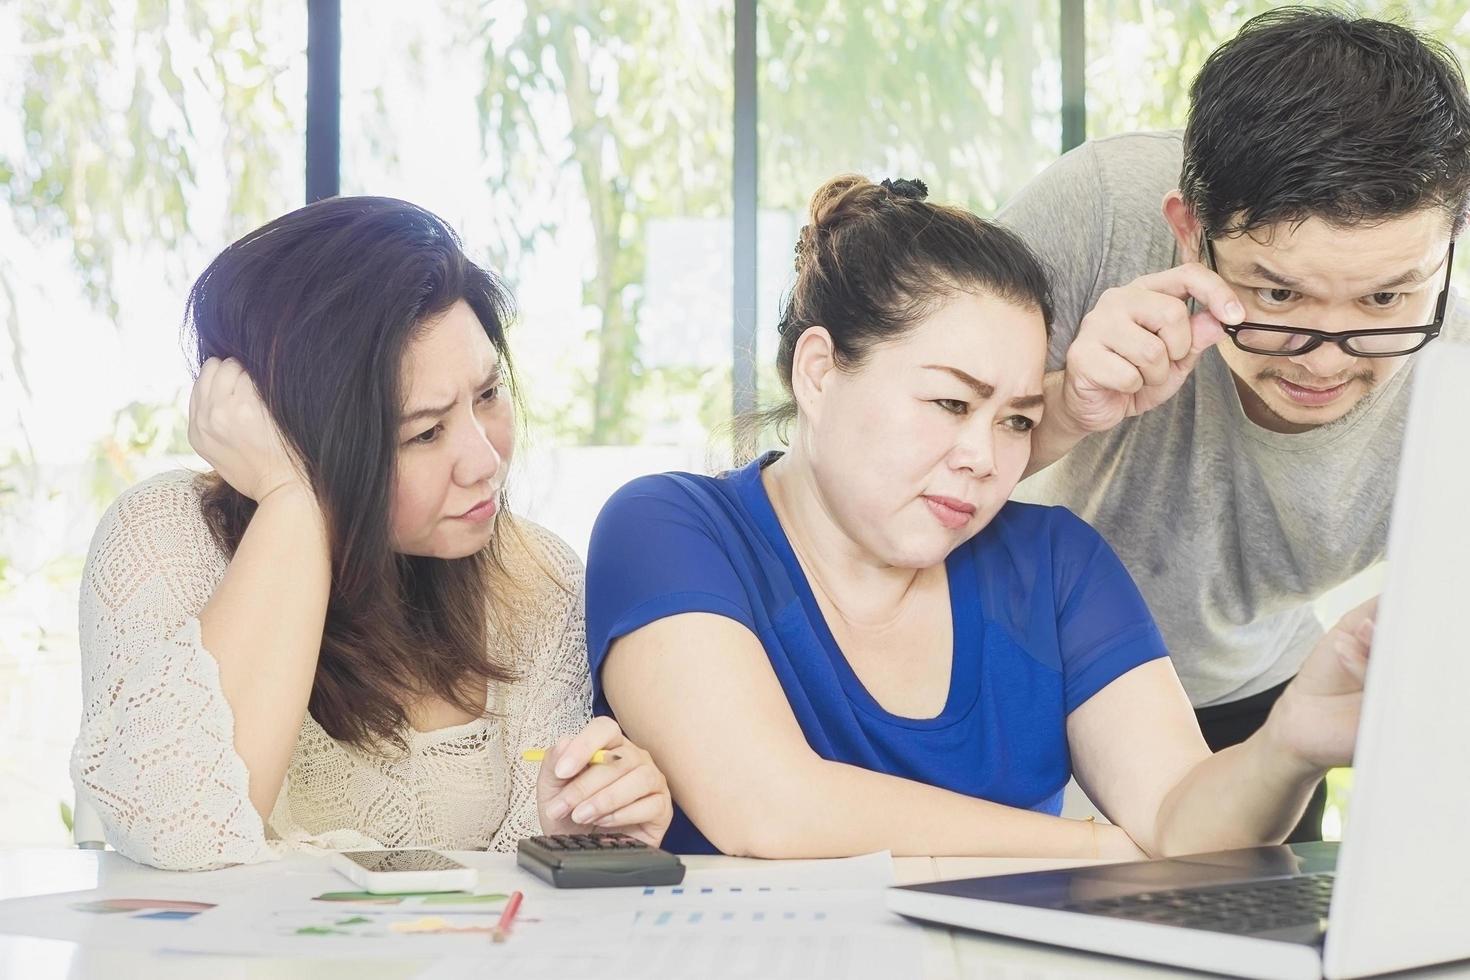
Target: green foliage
110,97
952,92
630,102
66,815
646,90
633,102
11,320
109,92
140,431
16,471
1339,795
1143,54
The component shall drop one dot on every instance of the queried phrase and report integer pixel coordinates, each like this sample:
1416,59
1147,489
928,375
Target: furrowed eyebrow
1411,277
435,411
984,389
1261,272
981,388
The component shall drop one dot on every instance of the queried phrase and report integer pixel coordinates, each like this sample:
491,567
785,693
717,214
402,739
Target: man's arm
1133,351
1129,350
1056,433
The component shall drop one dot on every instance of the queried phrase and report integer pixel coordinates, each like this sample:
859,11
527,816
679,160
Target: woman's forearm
829,809
263,625
722,730
1238,797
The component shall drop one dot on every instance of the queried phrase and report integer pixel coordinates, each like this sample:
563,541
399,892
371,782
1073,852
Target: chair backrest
86,826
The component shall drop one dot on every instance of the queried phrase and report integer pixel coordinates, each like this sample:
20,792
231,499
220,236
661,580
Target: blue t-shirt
1044,613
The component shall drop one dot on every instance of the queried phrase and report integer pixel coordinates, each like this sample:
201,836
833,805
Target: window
965,96
135,142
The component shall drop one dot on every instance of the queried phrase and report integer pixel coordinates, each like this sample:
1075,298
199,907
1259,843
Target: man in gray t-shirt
1241,477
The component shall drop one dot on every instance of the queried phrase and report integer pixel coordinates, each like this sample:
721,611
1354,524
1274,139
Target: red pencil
502,928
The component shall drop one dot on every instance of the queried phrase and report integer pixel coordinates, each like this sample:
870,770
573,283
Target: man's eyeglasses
1286,341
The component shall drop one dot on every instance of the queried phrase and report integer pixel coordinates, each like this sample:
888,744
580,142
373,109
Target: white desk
948,955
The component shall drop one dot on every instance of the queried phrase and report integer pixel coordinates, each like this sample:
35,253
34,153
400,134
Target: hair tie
914,189
801,242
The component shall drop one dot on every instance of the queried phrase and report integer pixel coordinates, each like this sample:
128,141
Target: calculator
597,861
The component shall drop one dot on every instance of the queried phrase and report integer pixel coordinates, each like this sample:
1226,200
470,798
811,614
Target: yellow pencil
599,757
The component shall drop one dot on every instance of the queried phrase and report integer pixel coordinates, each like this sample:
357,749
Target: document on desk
728,919
761,935
304,917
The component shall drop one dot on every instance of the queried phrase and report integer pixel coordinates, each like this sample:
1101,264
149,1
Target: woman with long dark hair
340,635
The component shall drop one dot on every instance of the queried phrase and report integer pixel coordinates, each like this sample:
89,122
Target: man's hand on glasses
1136,347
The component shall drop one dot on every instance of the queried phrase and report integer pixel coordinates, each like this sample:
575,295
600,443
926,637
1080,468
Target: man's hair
1309,113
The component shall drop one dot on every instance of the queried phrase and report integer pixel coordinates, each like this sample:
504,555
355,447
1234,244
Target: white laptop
1395,894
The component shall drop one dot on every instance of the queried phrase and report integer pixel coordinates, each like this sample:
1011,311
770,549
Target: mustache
1312,381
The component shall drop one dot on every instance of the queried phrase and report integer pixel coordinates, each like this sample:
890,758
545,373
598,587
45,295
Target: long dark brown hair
319,307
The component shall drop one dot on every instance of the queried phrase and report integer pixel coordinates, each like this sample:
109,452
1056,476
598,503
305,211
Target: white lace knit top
156,759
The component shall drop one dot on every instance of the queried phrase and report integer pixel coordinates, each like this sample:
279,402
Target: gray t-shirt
1231,530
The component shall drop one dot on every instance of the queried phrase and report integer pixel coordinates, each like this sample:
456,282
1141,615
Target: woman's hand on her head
627,793
1316,719
231,429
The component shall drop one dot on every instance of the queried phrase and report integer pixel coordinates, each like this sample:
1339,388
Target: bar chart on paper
758,933
727,918
720,934
755,921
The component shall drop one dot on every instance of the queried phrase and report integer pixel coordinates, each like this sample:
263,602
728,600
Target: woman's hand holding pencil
598,780
598,757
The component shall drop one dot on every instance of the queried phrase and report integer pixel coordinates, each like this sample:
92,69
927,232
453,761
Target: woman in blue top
861,645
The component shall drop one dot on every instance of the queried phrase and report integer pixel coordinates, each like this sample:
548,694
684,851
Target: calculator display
404,860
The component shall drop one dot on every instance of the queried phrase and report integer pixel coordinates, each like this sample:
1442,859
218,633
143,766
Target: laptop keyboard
1256,906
